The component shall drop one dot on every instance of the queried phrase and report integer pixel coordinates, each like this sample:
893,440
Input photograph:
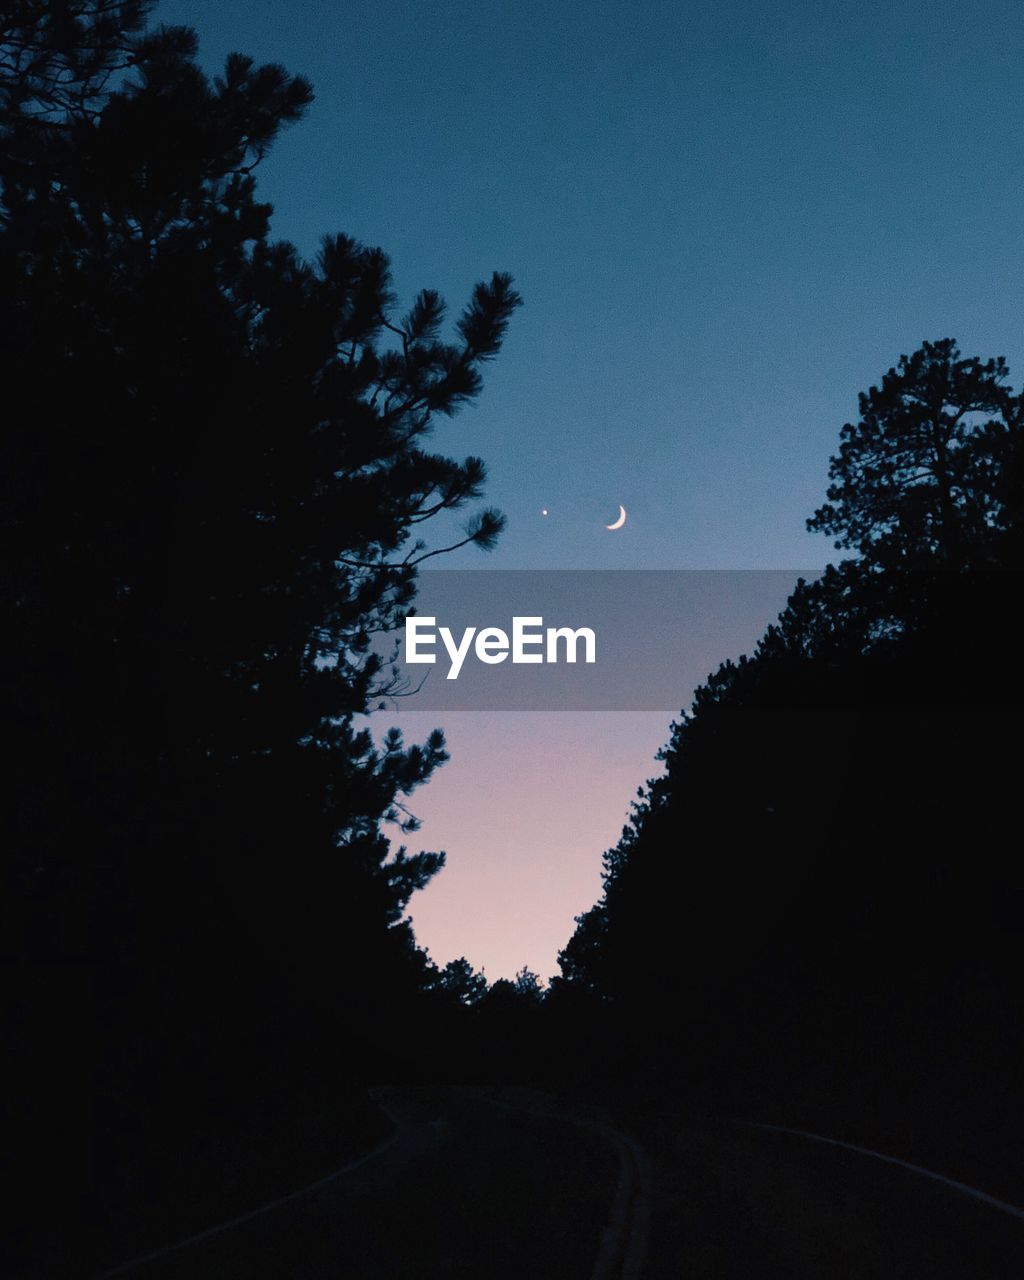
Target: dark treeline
213,449
816,915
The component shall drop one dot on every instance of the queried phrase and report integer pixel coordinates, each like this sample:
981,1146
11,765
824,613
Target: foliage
916,481
806,879
459,980
217,489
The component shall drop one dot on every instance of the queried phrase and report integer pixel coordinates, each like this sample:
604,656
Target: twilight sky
725,219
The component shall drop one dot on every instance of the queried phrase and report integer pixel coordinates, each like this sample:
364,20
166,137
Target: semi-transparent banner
577,640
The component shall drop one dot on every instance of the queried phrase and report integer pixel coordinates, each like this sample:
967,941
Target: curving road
500,1184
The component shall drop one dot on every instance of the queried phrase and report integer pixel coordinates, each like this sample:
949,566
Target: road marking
962,1187
625,1237
125,1268
615,1231
629,1225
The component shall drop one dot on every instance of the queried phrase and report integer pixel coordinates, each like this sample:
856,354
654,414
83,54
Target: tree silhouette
217,489
916,482
234,470
528,985
461,981
56,58
809,898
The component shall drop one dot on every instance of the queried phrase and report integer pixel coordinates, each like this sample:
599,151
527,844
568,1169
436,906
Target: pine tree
917,480
216,487
806,878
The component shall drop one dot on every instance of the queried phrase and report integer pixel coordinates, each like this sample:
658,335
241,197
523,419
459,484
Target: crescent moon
621,520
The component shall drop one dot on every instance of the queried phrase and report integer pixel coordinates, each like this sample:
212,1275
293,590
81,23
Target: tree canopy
218,485
814,878
917,481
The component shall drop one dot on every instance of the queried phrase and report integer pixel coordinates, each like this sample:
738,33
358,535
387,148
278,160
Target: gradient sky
725,219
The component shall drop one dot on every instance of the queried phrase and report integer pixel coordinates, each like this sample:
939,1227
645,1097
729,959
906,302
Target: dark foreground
514,1185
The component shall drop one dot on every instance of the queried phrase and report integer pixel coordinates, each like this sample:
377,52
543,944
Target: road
495,1184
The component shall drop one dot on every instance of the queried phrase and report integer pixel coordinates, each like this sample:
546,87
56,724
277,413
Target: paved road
469,1190
735,1203
509,1185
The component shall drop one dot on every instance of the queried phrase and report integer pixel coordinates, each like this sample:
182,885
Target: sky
725,220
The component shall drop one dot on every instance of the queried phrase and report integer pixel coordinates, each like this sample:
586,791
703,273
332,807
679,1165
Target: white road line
625,1236
126,1267
629,1224
640,1227
615,1230
962,1187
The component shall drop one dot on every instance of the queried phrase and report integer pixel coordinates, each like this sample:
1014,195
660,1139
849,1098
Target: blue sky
725,219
